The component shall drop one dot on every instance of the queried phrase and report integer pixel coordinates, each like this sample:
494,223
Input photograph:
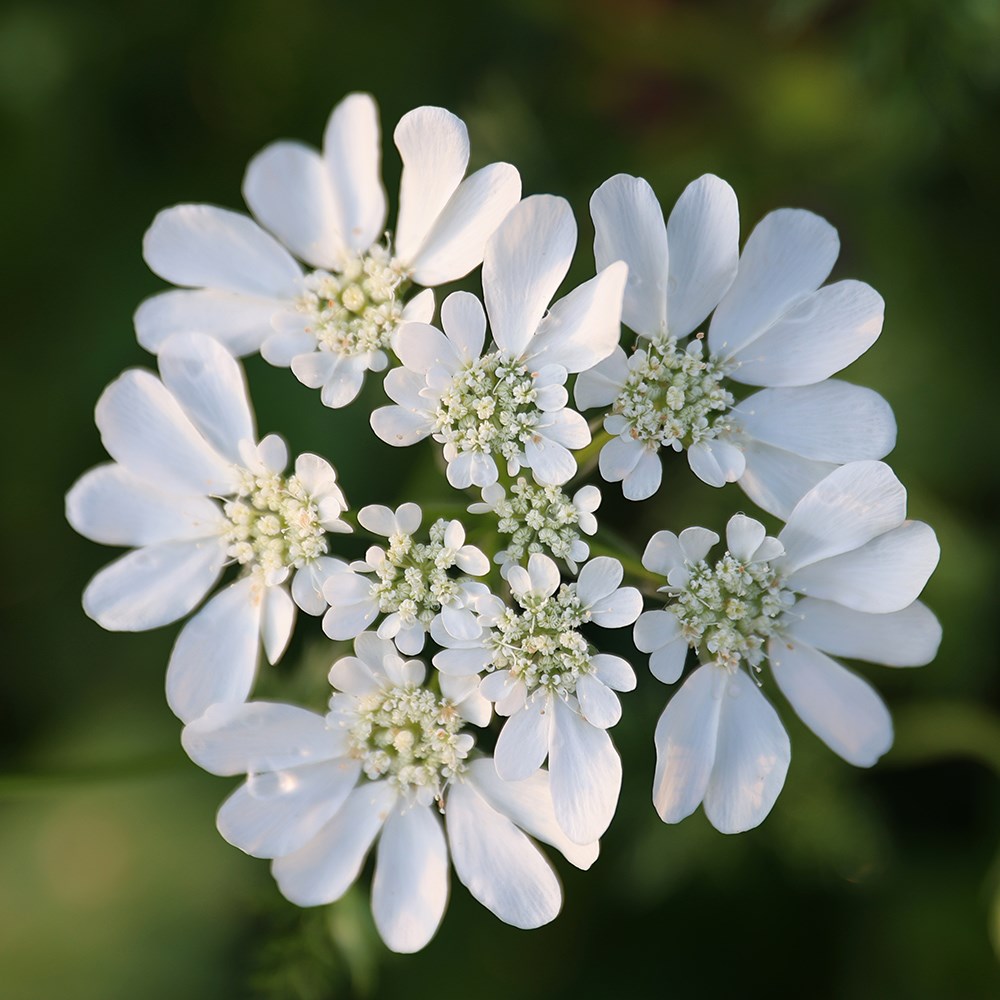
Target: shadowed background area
883,117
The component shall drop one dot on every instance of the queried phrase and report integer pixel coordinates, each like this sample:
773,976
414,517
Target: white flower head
558,692
540,519
192,491
773,326
841,579
334,322
381,765
410,583
507,407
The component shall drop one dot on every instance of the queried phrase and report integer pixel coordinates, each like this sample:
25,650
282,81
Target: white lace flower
557,691
841,578
411,583
388,757
192,491
540,519
334,322
508,405
773,326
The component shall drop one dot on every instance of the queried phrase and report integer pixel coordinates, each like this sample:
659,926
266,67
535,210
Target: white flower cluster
503,741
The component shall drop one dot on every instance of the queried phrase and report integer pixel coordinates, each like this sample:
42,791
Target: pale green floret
674,397
408,736
357,310
273,524
488,408
728,611
413,577
538,519
541,644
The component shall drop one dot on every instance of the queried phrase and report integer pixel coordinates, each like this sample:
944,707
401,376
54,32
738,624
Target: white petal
703,236
526,260
523,743
237,738
202,246
214,659
110,505
644,480
342,384
744,536
600,385
282,348
399,427
619,457
277,620
288,189
528,803
599,705
208,382
276,813
408,517
551,463
241,322
840,707
619,609
583,327
326,867
565,427
628,226
854,504
777,480
586,775
349,620
544,574
696,543
420,309
789,254
614,671
462,662
663,553
378,519
751,759
884,575
907,638
666,664
497,863
143,427
816,337
833,421
457,241
410,887
716,462
352,149
464,323
421,347
685,739
434,147
154,585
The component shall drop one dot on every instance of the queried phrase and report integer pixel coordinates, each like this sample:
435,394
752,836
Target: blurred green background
882,116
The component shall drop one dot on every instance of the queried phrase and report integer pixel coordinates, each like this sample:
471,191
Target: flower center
673,397
273,524
541,644
413,577
537,518
730,610
356,310
409,736
489,408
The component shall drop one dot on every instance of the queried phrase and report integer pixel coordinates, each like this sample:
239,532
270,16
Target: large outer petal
776,480
686,738
840,707
154,585
628,226
854,504
703,234
410,887
352,149
201,246
788,255
586,775
751,759
110,505
524,263
215,657
287,187
907,638
497,863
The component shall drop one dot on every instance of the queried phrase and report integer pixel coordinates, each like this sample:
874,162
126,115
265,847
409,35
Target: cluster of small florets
273,524
409,736
489,408
355,311
728,611
541,644
673,397
413,578
538,519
